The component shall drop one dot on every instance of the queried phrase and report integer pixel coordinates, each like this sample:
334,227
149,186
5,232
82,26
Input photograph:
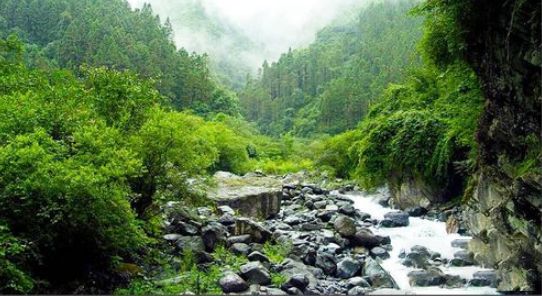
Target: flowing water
423,232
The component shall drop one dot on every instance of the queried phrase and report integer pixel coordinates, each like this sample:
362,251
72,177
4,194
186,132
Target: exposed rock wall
504,215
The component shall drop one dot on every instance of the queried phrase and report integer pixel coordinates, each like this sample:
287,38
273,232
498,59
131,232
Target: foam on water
430,234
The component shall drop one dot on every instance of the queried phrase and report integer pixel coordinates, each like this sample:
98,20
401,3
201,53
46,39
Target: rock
222,210
378,277
299,281
348,210
461,243
395,219
313,226
463,258
325,216
454,281
358,282
484,279
426,278
257,232
255,273
294,291
415,259
252,196
421,250
320,204
290,268
257,256
226,219
212,234
327,263
232,283
240,249
358,291
345,226
310,257
309,204
294,220
192,243
245,239
365,238
347,268
416,211
172,237
186,228
379,252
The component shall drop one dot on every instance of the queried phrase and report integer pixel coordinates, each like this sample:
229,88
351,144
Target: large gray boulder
378,277
252,196
255,273
348,268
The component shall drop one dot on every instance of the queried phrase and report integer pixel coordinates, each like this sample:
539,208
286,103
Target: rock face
409,192
504,43
252,196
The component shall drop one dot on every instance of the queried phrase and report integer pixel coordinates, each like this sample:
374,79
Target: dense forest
104,122
328,87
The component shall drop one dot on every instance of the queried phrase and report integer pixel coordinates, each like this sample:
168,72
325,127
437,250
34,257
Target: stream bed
419,232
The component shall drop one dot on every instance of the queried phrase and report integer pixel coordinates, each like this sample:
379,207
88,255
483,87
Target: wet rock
365,238
232,283
325,216
421,250
212,234
461,243
240,249
358,282
310,257
222,210
294,291
345,226
255,273
309,204
313,226
358,291
227,219
379,252
415,259
395,219
299,281
257,256
290,268
454,281
484,279
463,258
416,211
327,263
378,277
347,209
347,268
186,228
426,278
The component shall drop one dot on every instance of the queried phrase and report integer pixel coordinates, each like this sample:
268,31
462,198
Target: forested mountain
70,33
231,53
329,86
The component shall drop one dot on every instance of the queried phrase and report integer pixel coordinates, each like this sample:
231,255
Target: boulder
358,291
299,281
345,226
327,263
257,256
192,243
245,239
257,231
484,279
378,277
416,211
347,268
395,219
463,258
426,278
461,243
358,282
365,238
255,273
240,249
213,234
379,252
232,283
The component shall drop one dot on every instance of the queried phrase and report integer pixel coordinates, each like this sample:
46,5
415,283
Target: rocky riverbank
333,248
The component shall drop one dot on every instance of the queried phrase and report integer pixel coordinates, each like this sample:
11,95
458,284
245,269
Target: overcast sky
277,24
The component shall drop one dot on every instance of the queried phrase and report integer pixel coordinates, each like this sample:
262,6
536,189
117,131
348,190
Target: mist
270,26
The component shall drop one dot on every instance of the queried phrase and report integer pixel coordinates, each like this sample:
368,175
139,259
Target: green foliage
226,260
278,279
277,252
329,86
12,278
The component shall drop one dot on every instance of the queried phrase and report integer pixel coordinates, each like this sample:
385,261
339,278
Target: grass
278,252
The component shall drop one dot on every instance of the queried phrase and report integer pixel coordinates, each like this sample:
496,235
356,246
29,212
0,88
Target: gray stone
415,259
227,219
212,234
257,231
426,278
299,281
379,252
358,291
398,219
484,278
358,282
365,238
232,283
240,249
461,243
416,211
327,263
245,239
345,226
378,277
257,256
463,258
255,273
172,237
192,243
347,268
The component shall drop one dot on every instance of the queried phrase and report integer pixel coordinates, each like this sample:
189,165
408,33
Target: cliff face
504,214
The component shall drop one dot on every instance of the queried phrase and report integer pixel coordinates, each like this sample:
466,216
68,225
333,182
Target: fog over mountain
247,31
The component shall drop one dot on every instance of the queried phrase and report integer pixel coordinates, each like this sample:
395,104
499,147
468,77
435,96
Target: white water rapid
422,232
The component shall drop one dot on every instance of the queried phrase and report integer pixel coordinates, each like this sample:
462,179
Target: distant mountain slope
327,87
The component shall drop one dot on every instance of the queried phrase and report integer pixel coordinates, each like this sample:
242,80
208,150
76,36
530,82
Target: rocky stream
343,241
